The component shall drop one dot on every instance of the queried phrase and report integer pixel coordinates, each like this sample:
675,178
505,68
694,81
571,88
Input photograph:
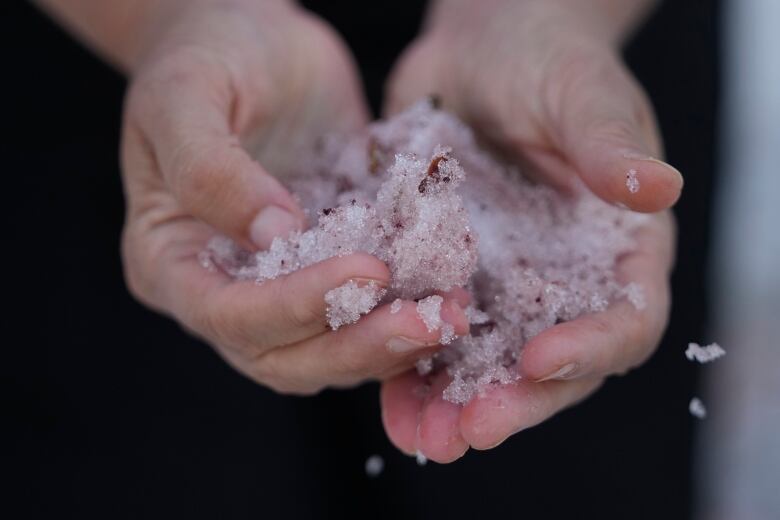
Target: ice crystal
429,311
422,460
697,409
419,193
447,334
350,301
424,366
632,183
374,466
704,354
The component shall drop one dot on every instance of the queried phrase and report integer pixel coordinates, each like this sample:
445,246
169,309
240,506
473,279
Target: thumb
208,171
607,132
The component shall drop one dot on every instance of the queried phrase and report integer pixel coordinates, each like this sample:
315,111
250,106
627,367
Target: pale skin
223,91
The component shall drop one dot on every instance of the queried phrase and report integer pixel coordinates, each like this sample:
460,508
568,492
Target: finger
438,434
290,308
619,338
459,294
244,316
490,418
184,109
401,399
364,350
604,126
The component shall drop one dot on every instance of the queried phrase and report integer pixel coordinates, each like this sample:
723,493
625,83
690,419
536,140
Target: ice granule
704,354
447,334
697,409
632,183
375,464
635,294
424,365
429,310
205,260
395,307
350,301
476,316
422,460
420,194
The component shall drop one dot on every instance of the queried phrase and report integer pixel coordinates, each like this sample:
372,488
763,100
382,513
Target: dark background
113,412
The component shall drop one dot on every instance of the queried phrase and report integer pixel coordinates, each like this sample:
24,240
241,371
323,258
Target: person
223,91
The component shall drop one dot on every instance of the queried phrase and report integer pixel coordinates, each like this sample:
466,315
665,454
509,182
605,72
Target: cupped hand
220,84
549,90
547,86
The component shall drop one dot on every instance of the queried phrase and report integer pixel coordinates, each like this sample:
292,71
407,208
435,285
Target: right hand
543,81
214,82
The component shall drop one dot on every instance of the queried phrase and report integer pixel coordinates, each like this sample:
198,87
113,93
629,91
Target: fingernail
674,171
637,156
362,282
401,344
562,373
270,223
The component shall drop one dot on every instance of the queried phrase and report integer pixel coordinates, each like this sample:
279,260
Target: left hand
550,90
222,83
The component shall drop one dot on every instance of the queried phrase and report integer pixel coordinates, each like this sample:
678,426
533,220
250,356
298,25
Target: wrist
606,21
124,33
168,23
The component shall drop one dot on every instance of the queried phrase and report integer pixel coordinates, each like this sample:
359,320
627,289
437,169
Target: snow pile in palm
419,193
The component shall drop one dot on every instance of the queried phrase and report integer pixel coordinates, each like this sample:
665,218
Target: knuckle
135,268
133,279
354,366
295,313
601,325
578,79
274,374
570,69
180,66
612,129
170,72
220,323
207,323
199,179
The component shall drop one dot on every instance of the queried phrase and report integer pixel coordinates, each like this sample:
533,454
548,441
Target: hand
219,84
549,90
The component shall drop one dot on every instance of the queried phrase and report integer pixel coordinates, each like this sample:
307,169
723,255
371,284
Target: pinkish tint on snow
417,192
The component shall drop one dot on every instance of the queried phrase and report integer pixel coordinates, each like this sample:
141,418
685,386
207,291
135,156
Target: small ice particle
204,258
476,316
350,301
395,306
375,464
424,366
635,294
632,182
429,311
697,409
704,354
447,334
422,460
